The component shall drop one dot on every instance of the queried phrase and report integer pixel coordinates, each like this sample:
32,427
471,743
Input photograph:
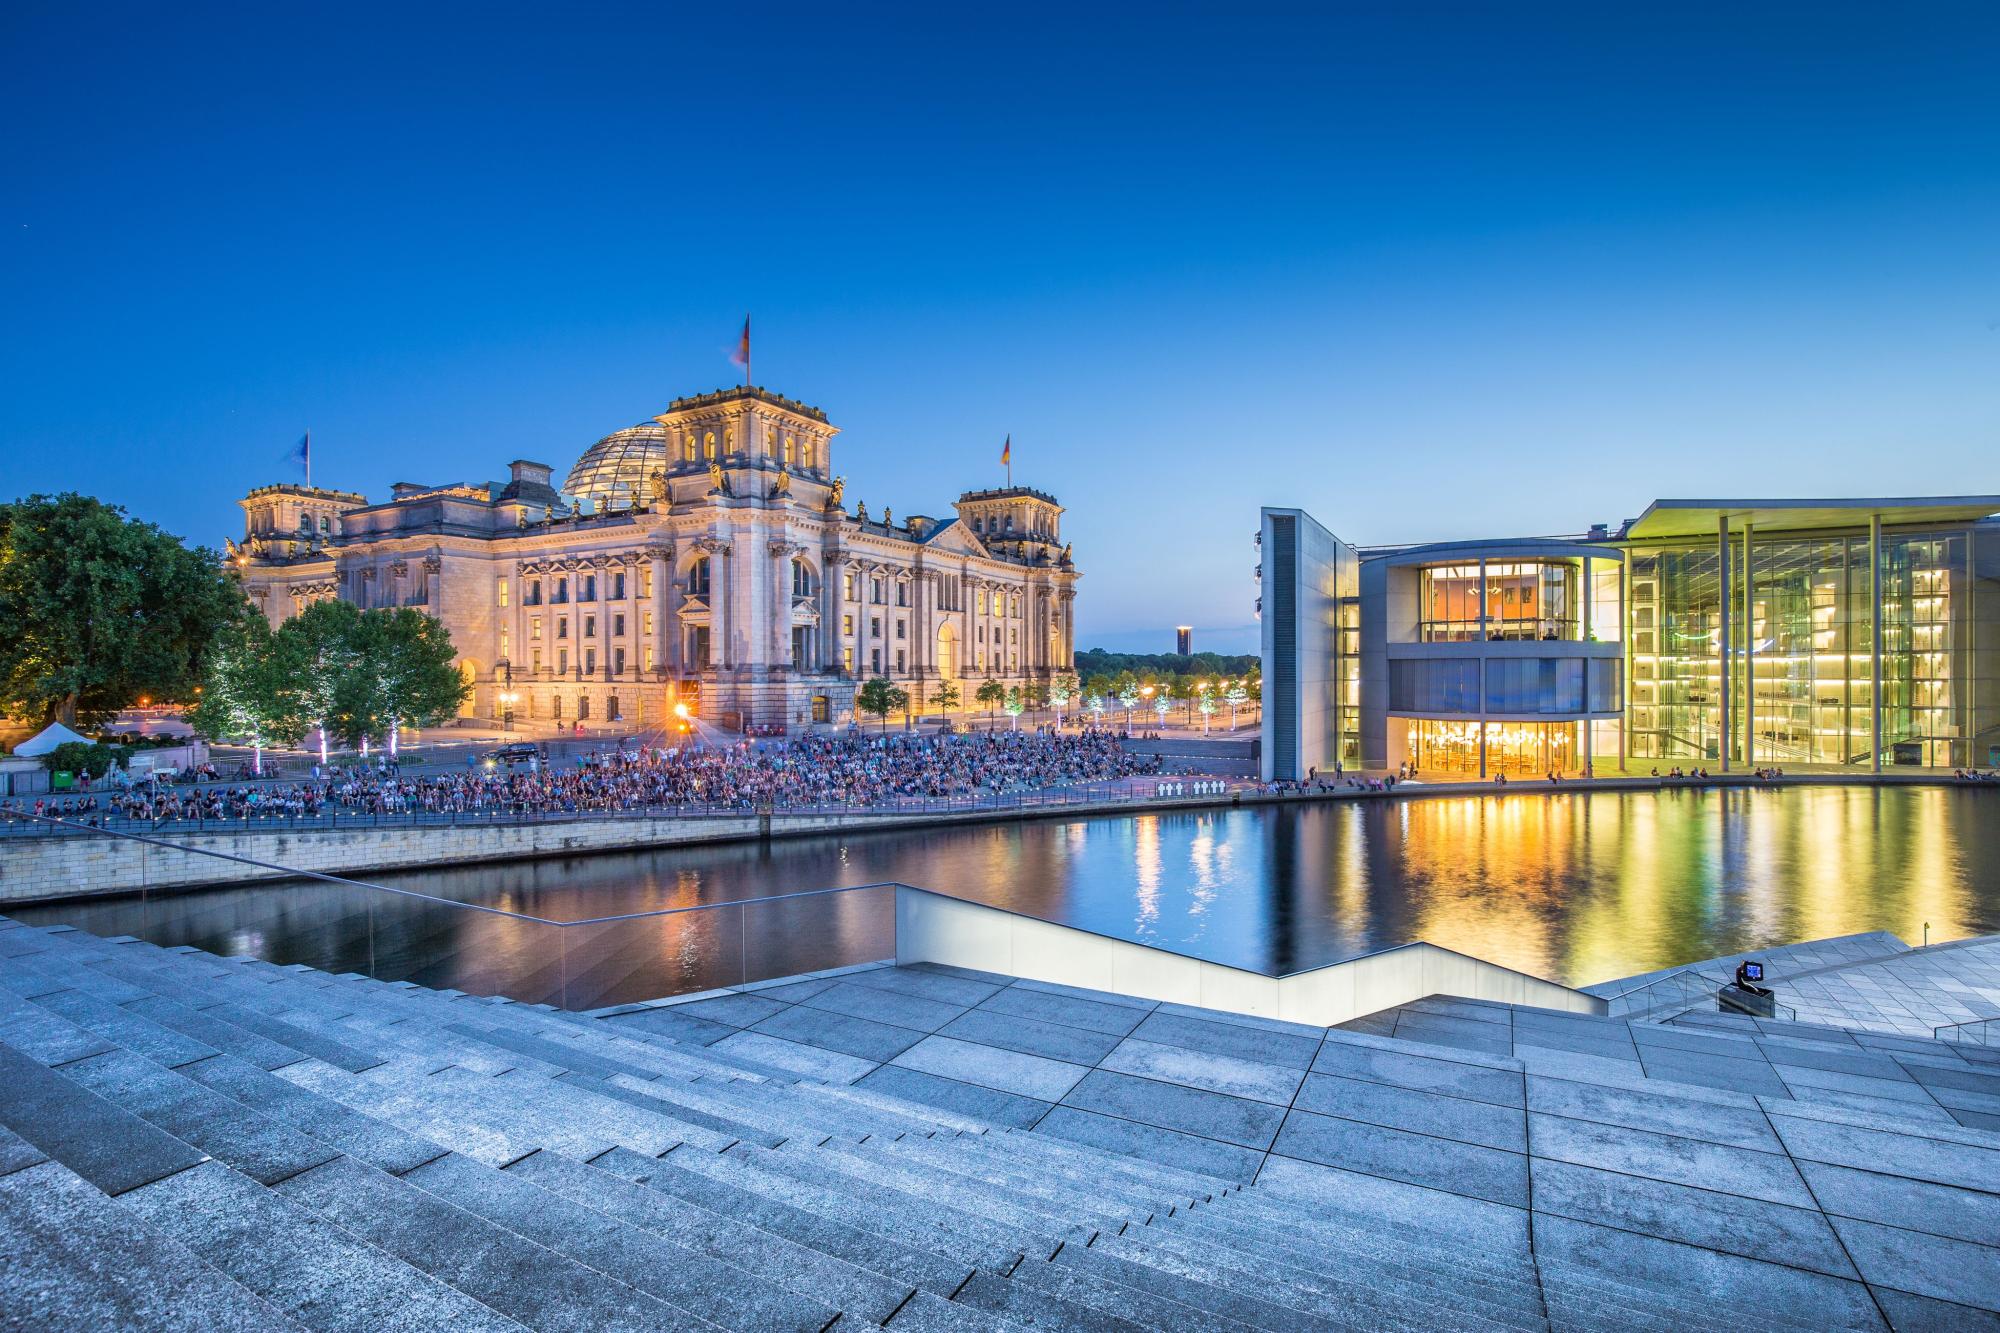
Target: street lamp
507,695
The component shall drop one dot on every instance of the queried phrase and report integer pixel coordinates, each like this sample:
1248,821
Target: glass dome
613,472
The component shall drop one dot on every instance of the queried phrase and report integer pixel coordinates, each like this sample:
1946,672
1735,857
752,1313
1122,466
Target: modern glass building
1853,634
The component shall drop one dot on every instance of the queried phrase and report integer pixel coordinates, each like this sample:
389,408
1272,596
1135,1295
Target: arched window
788,451
802,578
708,446
697,578
806,455
687,447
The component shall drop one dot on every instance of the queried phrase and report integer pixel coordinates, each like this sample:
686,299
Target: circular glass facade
613,472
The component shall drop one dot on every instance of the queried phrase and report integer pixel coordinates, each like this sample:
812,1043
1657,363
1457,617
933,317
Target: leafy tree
1096,661
92,761
1061,690
1235,698
945,694
1014,706
880,697
1128,696
1207,706
318,644
991,694
1096,686
249,689
402,673
98,609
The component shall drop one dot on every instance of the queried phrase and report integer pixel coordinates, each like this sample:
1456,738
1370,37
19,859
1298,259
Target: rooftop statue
656,486
718,483
834,492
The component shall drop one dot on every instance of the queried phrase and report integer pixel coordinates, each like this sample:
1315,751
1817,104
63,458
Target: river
1573,885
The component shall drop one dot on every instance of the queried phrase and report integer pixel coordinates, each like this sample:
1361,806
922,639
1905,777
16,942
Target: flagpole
309,458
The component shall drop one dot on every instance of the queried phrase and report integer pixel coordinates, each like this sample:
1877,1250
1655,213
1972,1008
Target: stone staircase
210,1143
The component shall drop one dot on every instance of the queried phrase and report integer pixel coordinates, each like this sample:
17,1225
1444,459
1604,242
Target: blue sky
1431,273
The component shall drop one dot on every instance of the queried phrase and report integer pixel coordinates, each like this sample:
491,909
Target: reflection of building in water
706,557
1722,634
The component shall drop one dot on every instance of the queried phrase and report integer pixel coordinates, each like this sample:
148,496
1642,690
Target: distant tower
1184,639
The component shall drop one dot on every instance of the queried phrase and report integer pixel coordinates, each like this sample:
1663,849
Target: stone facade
706,558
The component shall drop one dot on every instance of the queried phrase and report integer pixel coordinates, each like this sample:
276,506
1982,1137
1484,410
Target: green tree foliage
991,694
250,688
945,695
98,610
1097,662
1014,706
880,697
403,675
91,761
319,645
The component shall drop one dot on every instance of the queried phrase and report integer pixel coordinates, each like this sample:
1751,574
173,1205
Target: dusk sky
1429,273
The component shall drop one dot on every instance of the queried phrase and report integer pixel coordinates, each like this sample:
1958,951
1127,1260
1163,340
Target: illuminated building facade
1858,635
708,558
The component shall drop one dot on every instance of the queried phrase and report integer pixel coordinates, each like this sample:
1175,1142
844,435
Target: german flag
1007,450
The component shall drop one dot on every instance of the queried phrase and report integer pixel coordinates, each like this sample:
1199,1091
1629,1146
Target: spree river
1573,885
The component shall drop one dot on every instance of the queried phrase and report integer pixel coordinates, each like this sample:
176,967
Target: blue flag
302,454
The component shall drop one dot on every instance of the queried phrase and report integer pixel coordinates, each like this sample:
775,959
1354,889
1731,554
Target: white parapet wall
937,928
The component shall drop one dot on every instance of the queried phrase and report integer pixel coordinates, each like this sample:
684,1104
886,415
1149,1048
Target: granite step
1141,1306
314,1271
121,1027
44,1036
72,1259
996,1158
863,1249
926,1224
964,1195
682,1266
1176,1181
1115,1259
636,1092
100,1141
928,1313
493,1264
1039,1307
355,1133
264,1149
766,1256
1058,1201
1396,1299
1359,1254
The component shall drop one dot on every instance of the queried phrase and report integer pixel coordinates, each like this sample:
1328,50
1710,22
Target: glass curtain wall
1448,604
1810,652
1348,686
1531,600
1676,681
1513,748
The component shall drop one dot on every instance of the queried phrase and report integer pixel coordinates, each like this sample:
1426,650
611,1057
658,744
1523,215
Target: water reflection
1580,887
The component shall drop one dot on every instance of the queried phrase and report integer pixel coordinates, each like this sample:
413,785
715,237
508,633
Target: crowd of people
813,770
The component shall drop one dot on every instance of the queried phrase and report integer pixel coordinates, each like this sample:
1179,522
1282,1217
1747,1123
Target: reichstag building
707,558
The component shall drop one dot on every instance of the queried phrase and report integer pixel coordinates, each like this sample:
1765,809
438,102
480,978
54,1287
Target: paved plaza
193,1142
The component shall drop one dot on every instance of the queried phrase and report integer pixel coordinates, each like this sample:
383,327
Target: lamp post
507,695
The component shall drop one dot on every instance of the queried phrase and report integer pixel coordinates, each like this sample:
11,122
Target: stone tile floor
1873,982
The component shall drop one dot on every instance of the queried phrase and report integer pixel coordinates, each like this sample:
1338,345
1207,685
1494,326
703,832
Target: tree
990,695
945,695
1014,706
1128,696
98,609
402,673
318,643
1207,706
1061,690
1236,697
880,697
249,689
91,761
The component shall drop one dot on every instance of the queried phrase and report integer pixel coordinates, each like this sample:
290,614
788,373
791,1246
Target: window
802,578
847,586
902,594
582,707
708,446
534,593
875,660
611,710
562,661
874,627
847,625
1013,636
562,627
590,627
589,593
618,626
649,657
787,451
899,661
503,592
618,586
687,447
504,654
806,455
618,660
876,592
646,623
697,578
561,592
646,580
590,660
902,626
534,659
534,627
847,660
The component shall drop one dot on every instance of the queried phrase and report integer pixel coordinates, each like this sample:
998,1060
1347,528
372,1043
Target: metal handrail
1693,987
1972,1032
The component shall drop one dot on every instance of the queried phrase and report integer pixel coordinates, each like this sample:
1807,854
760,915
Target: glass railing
1976,1032
1684,992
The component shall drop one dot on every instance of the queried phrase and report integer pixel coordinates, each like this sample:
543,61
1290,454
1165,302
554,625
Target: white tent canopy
48,739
